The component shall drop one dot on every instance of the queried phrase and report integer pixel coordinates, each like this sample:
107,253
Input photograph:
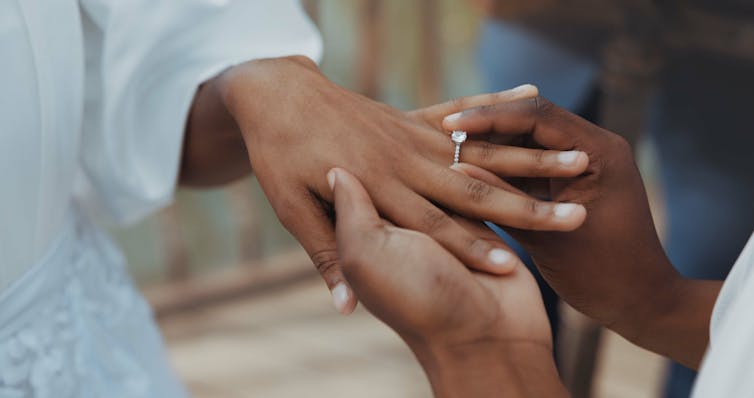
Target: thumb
353,206
358,226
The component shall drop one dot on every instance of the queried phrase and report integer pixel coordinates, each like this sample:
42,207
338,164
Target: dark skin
485,336
285,120
613,267
475,334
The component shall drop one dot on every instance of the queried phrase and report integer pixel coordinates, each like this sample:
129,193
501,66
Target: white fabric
728,366
119,123
73,326
94,99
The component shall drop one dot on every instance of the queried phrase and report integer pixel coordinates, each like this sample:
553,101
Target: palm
419,289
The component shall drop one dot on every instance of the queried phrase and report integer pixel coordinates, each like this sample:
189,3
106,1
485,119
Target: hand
613,267
297,125
467,328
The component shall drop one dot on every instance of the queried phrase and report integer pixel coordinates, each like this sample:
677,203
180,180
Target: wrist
490,369
678,321
643,308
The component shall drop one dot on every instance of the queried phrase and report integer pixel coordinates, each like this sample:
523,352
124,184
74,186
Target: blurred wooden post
246,219
370,48
430,61
578,348
173,244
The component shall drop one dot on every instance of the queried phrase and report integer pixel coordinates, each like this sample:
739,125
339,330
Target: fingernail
563,210
499,256
453,117
568,157
340,297
524,88
331,178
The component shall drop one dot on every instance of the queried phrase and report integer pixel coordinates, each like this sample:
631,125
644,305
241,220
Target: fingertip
467,169
572,215
526,90
451,122
582,161
458,167
572,163
343,298
579,216
490,257
502,262
331,176
453,117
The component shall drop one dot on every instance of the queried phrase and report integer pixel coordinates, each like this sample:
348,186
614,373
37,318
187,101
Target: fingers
309,223
480,200
353,206
481,230
524,162
483,253
484,175
549,125
461,103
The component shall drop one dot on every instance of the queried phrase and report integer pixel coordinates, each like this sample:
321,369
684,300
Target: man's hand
297,125
613,267
476,334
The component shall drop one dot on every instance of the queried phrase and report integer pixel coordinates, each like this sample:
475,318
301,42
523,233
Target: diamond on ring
458,137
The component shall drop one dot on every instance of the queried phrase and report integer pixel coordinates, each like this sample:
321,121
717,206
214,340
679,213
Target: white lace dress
94,99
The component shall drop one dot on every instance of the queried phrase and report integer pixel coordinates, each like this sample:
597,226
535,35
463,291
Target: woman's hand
297,125
613,267
476,334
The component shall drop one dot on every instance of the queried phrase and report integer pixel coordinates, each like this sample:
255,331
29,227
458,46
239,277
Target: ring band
458,137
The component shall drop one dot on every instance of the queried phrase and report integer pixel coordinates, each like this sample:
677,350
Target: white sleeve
145,60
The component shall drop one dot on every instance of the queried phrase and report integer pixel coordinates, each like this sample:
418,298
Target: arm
678,321
489,370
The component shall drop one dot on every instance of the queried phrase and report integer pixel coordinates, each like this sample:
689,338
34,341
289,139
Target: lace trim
76,322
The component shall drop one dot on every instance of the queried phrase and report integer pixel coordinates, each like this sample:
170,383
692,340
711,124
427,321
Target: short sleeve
145,60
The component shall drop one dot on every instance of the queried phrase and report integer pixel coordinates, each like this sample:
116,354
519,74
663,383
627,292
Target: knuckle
488,110
326,260
543,106
534,209
434,219
485,152
459,103
539,162
477,190
622,145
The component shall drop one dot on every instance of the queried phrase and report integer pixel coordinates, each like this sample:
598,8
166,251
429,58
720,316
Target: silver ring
458,137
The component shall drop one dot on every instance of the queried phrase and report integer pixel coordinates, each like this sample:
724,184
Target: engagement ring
458,137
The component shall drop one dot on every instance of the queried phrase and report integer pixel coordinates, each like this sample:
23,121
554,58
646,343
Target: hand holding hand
297,125
613,267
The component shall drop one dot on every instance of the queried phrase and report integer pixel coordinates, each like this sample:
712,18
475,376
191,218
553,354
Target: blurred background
244,312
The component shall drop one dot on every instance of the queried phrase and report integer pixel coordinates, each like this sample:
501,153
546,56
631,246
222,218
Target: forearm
498,370
677,321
